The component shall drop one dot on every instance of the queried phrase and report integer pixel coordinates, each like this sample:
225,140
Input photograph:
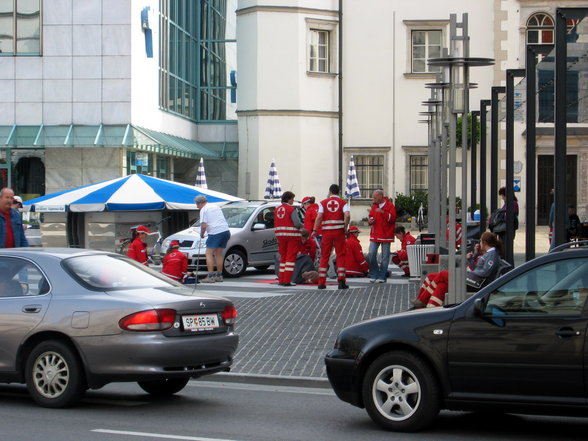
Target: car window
108,272
21,278
266,217
557,288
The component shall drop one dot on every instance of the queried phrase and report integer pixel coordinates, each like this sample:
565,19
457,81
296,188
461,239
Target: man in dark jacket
11,231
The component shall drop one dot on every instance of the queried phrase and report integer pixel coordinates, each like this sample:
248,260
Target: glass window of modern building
20,27
197,55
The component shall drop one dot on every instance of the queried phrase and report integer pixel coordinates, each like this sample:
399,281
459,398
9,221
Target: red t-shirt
9,239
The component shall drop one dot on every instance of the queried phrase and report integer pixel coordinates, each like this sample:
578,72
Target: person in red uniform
307,245
175,263
382,219
355,263
138,248
400,257
310,213
287,224
333,219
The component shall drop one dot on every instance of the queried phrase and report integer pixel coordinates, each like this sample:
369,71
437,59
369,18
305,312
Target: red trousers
332,239
288,247
433,289
401,259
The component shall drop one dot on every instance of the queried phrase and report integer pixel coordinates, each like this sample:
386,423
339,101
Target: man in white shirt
213,222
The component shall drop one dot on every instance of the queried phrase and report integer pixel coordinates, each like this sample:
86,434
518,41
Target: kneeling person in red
355,263
400,257
175,263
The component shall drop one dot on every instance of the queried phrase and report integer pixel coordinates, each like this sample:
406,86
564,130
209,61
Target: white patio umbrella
201,176
273,189
352,187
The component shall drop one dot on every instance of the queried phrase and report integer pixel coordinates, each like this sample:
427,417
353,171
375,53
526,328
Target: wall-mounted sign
142,159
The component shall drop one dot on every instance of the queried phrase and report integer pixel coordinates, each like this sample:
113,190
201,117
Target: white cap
17,199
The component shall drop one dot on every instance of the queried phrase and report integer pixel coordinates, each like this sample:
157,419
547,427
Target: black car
518,345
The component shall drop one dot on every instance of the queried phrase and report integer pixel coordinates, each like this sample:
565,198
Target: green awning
140,138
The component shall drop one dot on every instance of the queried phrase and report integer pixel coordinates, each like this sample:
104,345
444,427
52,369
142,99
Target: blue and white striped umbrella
130,193
201,176
352,187
273,189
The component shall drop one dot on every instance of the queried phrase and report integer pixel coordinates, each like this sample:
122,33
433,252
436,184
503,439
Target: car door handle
567,332
31,309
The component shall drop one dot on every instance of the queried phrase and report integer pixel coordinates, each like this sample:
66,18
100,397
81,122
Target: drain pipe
340,50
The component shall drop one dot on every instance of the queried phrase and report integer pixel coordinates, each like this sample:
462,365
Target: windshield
235,215
109,272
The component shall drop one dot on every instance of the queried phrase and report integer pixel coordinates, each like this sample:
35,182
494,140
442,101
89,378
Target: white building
308,94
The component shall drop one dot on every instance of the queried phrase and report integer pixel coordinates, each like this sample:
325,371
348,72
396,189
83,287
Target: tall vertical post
483,159
531,171
474,162
560,130
511,74
494,147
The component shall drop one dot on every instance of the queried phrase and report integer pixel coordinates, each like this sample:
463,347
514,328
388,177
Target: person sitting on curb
435,286
400,257
355,262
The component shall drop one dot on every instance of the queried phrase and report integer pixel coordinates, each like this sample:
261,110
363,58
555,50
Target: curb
268,380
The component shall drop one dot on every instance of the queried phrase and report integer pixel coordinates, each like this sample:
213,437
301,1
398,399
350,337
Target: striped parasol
273,189
201,176
352,187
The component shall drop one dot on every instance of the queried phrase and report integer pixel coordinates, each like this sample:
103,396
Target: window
139,162
425,44
557,288
419,174
370,173
540,29
21,278
197,55
20,27
319,51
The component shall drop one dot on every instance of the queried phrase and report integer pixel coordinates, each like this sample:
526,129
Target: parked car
76,319
253,241
518,345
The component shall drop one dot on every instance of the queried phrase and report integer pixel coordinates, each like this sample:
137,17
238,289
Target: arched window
540,28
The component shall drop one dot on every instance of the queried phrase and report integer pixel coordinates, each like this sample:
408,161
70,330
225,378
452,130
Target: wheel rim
396,392
50,374
234,264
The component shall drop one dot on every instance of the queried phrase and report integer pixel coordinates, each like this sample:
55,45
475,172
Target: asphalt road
210,411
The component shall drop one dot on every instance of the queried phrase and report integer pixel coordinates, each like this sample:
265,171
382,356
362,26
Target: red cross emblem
333,206
280,212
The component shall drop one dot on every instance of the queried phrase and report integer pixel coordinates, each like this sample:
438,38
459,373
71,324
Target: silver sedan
74,319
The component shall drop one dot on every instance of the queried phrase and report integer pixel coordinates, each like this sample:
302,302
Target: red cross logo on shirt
333,206
280,212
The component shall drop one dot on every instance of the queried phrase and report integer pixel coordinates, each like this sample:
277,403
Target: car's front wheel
163,388
54,375
235,263
400,392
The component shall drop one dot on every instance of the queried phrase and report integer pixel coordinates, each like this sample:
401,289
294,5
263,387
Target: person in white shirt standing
213,222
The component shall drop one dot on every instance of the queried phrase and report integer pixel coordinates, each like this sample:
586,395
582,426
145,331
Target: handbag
474,281
497,222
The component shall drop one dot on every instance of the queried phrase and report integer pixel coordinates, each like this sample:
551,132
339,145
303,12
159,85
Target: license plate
200,322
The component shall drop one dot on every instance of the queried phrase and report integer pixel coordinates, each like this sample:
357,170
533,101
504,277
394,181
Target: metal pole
560,132
511,74
494,147
474,162
483,159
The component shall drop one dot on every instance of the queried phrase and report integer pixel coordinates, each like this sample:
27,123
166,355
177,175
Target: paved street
286,332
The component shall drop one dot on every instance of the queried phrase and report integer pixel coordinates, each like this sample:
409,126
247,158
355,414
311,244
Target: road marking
264,388
158,435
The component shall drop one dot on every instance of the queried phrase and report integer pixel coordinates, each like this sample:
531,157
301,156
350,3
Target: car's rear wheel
235,263
400,393
54,375
162,388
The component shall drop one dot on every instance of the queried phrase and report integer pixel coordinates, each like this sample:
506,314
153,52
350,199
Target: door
24,298
263,243
529,342
545,184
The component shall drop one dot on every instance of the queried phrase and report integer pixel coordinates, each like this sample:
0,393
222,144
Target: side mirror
258,226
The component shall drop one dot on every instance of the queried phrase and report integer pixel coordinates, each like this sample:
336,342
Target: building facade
96,89
323,80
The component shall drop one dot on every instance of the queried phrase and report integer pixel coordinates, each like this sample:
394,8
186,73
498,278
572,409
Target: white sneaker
372,280
208,280
380,281
218,279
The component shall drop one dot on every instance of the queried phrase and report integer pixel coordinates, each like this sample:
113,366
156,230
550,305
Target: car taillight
150,320
229,315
